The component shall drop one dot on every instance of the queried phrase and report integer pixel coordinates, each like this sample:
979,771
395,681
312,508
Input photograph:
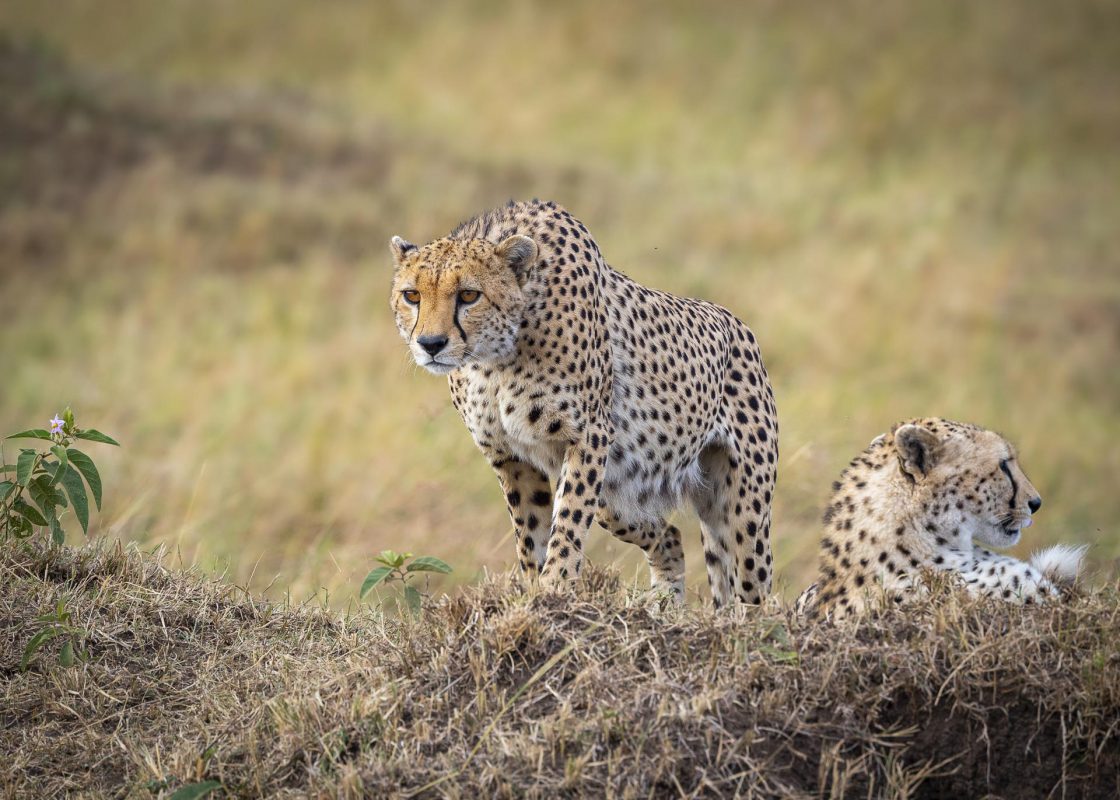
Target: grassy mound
498,692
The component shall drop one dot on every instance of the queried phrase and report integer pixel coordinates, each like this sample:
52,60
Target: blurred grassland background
915,205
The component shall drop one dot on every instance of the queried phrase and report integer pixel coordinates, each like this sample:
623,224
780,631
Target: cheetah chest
514,416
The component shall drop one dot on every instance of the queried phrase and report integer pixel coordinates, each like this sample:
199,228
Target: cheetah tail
1061,563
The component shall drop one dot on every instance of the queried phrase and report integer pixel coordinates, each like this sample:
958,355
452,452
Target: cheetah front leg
1004,578
577,500
528,500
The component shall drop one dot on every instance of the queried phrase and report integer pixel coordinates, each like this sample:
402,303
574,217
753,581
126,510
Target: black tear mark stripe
462,332
415,322
1014,486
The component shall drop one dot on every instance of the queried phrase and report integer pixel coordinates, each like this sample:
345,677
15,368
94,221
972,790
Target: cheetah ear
400,249
917,449
519,253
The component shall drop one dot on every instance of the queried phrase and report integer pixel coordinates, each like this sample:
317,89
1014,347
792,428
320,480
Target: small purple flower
57,425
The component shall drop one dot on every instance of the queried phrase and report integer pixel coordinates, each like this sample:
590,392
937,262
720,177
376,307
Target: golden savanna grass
501,693
913,205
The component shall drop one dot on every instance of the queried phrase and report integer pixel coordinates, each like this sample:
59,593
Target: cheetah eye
411,296
468,296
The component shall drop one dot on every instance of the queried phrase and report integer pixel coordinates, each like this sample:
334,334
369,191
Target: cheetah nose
432,344
1034,504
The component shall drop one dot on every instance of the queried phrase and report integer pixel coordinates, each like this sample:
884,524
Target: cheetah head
968,480
460,302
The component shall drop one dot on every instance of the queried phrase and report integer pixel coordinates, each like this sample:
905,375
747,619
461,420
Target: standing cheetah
628,399
922,497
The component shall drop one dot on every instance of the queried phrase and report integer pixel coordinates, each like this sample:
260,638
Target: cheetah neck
879,519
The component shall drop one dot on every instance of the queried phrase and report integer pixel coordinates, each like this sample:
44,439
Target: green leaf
46,495
85,466
72,482
24,529
34,433
413,598
786,656
195,791
97,436
428,564
375,577
37,641
58,497
59,471
29,512
779,634
55,470
7,467
23,466
66,657
5,487
58,536
393,559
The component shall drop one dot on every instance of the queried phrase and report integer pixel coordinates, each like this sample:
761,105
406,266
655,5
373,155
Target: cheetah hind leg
735,525
662,545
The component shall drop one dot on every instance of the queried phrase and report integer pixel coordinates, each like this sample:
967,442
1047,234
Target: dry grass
499,693
914,207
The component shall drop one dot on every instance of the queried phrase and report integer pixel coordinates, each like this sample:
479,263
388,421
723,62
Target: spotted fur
926,496
628,400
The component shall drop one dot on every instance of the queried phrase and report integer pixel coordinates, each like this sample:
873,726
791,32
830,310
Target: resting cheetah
921,497
628,398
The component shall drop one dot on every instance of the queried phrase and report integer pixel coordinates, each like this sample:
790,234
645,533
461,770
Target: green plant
397,568
58,624
48,480
196,791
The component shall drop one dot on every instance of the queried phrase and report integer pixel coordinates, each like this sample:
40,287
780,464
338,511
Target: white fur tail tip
1060,563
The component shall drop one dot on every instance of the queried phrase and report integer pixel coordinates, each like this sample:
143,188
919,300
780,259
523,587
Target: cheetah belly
646,492
650,468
